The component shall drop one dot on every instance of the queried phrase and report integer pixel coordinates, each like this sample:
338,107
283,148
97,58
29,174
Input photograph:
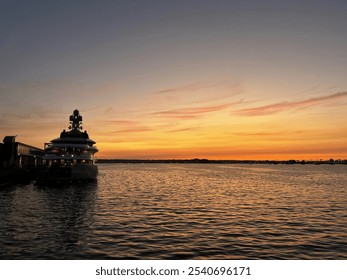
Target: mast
75,121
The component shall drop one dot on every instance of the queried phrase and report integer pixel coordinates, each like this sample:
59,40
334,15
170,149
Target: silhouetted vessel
71,156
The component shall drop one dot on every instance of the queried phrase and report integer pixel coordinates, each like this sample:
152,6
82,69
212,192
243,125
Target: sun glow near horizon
218,132
227,126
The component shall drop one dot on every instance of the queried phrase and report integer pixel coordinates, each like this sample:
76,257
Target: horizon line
225,160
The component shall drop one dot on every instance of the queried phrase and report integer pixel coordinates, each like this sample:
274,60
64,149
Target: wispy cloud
124,126
184,129
256,134
190,113
193,112
278,107
198,92
120,122
33,113
183,88
132,130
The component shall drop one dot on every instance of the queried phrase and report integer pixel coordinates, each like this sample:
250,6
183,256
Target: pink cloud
184,88
184,129
132,129
189,113
121,122
124,126
278,107
221,91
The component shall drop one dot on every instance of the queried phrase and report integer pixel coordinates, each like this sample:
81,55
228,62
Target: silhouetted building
18,155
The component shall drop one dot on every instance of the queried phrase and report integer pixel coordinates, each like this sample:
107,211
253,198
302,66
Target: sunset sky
179,79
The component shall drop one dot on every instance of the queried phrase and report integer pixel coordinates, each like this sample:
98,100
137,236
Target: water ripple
181,211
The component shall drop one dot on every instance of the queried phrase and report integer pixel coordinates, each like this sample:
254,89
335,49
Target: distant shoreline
208,161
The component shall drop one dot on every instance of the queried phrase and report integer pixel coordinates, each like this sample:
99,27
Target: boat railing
47,145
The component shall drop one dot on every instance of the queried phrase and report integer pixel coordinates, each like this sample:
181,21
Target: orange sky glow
216,80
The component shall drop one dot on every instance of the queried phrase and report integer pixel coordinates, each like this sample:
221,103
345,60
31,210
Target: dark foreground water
181,211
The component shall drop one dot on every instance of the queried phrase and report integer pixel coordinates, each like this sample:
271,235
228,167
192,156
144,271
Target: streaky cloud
267,133
183,129
183,88
120,122
221,91
188,113
132,130
279,107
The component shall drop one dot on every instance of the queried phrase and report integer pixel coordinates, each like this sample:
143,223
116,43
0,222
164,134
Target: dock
18,161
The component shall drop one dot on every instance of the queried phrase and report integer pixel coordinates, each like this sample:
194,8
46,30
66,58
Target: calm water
181,211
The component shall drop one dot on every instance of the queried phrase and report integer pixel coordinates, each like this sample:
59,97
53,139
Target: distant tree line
204,161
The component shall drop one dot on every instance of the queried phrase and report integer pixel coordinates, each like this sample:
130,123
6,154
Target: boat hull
75,172
84,172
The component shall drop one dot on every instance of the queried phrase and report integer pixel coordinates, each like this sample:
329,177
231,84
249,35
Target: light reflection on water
178,211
